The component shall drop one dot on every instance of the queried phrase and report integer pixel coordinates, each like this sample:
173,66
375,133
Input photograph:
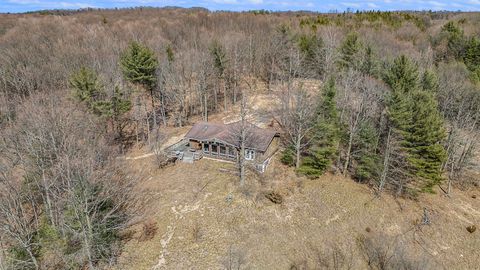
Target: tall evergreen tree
430,81
89,90
219,58
326,134
113,107
424,141
472,54
86,85
139,65
349,52
369,64
414,115
118,106
455,40
311,49
402,76
366,156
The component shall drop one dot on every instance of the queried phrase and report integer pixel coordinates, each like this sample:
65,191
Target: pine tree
219,58
402,76
310,47
369,64
288,156
86,85
326,134
472,54
139,65
475,76
349,52
88,89
430,81
114,107
452,28
455,40
367,158
424,140
472,58
414,115
119,105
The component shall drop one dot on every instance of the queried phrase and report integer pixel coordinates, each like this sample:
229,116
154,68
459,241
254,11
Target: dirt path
140,157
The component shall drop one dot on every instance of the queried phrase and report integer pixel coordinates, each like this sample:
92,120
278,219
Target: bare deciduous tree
361,102
297,118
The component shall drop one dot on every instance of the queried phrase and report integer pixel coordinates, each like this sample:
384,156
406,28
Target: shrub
288,156
274,197
149,230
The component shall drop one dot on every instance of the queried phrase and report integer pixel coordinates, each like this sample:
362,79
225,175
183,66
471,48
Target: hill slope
205,222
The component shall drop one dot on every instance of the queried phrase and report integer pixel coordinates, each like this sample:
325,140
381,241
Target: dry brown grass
202,214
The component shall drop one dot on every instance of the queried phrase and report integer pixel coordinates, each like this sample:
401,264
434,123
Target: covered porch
215,149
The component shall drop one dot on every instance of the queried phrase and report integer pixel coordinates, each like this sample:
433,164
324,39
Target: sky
239,5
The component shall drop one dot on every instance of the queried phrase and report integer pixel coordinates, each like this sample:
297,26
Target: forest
395,107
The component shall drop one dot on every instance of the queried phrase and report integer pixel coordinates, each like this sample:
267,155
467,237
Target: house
222,141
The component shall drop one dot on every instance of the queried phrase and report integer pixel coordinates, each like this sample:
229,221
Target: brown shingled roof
257,138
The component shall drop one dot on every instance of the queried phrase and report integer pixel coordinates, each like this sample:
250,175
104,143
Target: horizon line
333,11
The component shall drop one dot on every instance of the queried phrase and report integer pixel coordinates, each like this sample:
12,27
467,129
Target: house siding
222,151
260,156
195,145
212,140
272,148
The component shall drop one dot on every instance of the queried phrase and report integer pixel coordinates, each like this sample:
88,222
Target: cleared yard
205,222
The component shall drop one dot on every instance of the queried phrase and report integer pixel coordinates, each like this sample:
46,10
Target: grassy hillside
203,221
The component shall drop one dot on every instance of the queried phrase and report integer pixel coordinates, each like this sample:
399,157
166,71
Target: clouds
465,5
237,5
29,5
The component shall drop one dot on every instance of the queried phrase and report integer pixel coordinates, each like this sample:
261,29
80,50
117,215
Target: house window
205,148
214,149
249,154
223,150
231,152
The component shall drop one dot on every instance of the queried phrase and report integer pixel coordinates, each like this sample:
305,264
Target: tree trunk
32,257
450,178
136,129
215,97
243,135
224,97
154,113
242,164
270,76
385,163
353,130
162,110
86,234
48,202
147,124
205,108
349,150
297,152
